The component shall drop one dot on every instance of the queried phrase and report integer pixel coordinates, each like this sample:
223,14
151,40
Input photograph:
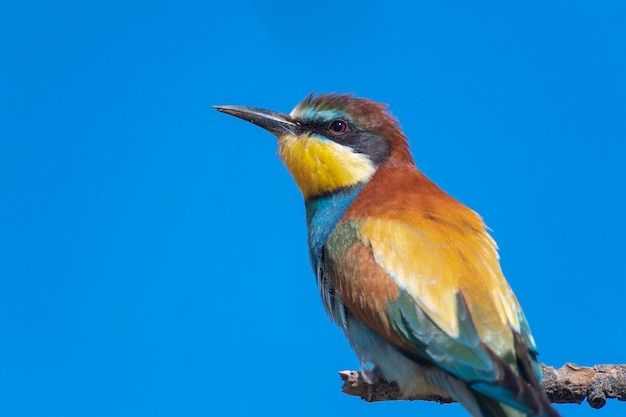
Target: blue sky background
153,255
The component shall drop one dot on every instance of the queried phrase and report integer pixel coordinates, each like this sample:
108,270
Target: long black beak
275,122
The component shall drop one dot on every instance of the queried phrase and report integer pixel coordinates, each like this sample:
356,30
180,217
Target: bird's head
331,141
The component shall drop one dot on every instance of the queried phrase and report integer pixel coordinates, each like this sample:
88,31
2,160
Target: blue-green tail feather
486,384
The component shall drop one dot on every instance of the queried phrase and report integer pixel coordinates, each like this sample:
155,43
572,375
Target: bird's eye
338,127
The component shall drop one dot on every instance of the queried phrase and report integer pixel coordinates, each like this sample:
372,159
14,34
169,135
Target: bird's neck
324,212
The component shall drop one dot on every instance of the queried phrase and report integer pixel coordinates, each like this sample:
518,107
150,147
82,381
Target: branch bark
569,384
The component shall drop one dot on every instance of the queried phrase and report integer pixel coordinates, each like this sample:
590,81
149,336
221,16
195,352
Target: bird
410,274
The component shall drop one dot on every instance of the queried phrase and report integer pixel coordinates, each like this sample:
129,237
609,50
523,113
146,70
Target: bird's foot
371,374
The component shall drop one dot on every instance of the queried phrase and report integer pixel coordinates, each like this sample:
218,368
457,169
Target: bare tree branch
569,384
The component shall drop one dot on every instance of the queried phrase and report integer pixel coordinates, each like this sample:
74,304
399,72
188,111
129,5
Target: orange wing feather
423,241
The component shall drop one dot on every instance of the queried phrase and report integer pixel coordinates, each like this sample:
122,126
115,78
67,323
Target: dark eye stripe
363,142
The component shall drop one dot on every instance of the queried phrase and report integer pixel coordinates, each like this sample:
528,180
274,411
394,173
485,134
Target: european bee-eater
409,274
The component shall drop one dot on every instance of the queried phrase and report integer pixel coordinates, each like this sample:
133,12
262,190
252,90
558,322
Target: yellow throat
320,165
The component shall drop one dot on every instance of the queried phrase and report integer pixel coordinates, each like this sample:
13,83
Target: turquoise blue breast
322,215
